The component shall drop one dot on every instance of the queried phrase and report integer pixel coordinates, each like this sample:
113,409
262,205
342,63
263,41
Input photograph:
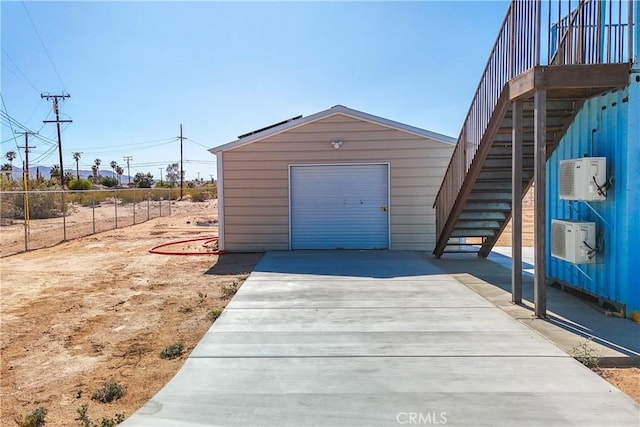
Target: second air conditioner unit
573,241
583,179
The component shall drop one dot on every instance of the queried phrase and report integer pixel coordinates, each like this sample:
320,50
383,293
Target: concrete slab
570,319
350,338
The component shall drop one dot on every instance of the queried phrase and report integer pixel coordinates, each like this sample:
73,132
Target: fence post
169,202
134,206
93,209
64,216
148,206
160,206
115,203
26,225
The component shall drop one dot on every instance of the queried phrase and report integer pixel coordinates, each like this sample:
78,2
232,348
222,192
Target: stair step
505,163
494,196
495,185
472,225
473,233
479,216
552,121
487,207
502,175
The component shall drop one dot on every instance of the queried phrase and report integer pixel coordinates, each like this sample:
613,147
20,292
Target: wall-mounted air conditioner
573,241
583,179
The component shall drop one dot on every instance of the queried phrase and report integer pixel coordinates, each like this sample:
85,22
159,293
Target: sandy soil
102,308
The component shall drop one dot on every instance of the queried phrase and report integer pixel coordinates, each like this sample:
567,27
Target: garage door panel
339,207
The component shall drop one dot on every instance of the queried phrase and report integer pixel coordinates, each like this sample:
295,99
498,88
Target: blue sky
136,70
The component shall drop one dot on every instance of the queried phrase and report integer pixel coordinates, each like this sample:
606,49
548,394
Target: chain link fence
37,219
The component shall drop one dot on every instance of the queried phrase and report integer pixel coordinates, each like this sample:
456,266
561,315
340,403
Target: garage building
338,179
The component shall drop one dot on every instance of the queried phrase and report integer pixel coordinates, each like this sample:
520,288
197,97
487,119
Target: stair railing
585,32
515,50
595,32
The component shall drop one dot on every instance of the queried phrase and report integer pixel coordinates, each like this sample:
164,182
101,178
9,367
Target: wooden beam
516,205
540,171
585,76
569,80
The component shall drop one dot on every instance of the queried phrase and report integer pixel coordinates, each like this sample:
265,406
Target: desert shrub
44,204
108,181
9,205
172,351
79,184
586,354
109,392
129,196
202,194
214,314
198,196
85,421
227,291
34,419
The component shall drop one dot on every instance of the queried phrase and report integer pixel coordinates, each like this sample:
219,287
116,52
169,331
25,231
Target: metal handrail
591,33
515,50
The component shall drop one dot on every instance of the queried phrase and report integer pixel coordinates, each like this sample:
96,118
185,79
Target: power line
44,156
197,143
139,148
44,47
23,75
4,107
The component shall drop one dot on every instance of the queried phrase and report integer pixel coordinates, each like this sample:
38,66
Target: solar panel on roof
269,127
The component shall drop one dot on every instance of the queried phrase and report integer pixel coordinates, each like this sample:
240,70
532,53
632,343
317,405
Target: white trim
387,164
220,188
338,109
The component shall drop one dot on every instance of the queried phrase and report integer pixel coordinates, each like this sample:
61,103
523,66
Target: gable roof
338,109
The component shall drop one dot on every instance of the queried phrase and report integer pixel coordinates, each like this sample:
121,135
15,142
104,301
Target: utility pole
126,159
57,121
26,152
160,176
181,170
198,176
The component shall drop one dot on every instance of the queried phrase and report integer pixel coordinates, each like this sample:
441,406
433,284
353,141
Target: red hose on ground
207,241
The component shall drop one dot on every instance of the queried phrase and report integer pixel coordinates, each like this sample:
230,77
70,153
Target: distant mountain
45,171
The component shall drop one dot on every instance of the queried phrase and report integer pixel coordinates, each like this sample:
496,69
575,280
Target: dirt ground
102,308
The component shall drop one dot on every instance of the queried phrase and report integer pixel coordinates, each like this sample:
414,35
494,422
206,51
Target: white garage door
339,206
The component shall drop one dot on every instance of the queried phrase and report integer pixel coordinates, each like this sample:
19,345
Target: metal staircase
588,52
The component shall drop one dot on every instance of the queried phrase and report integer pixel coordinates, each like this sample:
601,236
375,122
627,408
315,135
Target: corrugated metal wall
606,126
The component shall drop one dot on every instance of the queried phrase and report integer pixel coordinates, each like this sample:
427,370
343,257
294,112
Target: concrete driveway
376,338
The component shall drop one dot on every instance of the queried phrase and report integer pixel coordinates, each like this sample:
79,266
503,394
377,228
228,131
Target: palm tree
10,155
6,168
113,165
119,171
55,171
96,169
76,157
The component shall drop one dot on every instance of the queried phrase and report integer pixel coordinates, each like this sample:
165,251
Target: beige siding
256,180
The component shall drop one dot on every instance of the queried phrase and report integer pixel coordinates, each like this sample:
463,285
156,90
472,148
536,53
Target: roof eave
338,109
